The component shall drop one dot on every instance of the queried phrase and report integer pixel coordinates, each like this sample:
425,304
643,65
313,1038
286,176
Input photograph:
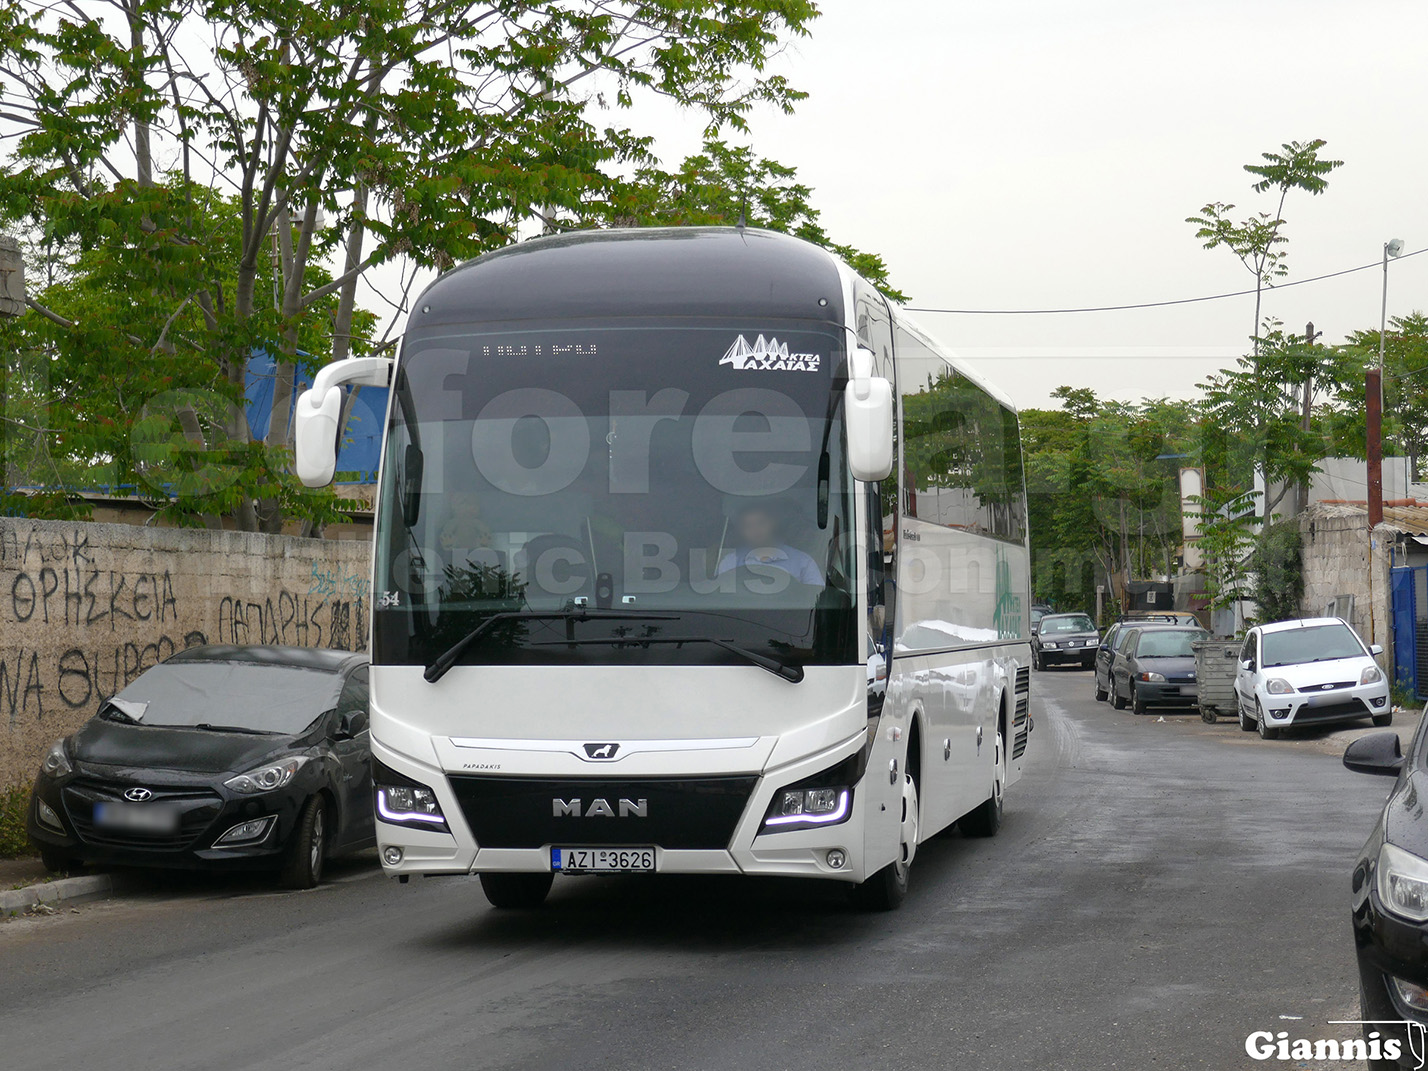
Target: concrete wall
1338,561
1345,479
86,608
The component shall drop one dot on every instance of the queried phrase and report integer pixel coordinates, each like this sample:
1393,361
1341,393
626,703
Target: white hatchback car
1314,671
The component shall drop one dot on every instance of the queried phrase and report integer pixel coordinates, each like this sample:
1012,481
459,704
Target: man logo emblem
138,795
603,752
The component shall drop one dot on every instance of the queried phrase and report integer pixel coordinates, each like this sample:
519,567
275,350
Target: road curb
87,887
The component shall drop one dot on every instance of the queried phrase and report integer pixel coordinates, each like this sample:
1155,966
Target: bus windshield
631,493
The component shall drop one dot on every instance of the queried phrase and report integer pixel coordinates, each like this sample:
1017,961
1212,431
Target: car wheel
1382,721
57,863
1246,726
1266,731
1101,693
1037,664
987,818
1137,702
307,848
1117,700
887,889
516,891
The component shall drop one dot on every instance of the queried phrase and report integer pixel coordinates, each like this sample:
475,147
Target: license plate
602,860
1190,689
136,818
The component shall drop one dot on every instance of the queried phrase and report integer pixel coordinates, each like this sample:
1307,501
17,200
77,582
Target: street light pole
1392,248
1373,401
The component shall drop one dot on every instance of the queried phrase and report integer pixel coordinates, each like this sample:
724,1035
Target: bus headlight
807,808
404,802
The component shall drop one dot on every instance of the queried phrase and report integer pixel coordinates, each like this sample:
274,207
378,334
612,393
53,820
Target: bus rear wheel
516,892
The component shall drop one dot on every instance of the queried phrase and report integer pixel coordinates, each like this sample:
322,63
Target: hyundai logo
602,752
138,794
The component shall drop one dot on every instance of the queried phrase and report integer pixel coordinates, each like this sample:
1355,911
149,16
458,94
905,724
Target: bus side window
880,600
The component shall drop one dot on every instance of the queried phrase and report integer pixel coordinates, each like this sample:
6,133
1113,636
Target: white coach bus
693,556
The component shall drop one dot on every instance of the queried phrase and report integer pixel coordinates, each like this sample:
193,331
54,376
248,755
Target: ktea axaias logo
768,355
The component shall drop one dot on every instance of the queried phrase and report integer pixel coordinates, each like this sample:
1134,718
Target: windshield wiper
444,661
789,671
210,727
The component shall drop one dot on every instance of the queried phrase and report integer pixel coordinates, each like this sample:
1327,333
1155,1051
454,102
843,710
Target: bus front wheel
516,891
887,889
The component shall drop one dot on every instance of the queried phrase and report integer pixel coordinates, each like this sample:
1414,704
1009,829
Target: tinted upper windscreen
693,473
273,699
1066,623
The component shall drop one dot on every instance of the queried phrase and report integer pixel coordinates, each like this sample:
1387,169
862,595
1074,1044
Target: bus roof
725,272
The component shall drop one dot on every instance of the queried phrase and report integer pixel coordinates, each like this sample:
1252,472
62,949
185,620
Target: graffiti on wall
78,622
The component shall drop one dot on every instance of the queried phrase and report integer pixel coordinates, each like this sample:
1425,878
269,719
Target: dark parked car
1155,667
1110,647
1065,638
219,757
1390,898
1038,611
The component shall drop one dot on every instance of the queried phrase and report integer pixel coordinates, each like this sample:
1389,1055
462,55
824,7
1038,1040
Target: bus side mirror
319,409
868,410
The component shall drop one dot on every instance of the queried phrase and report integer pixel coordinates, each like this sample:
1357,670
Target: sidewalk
25,883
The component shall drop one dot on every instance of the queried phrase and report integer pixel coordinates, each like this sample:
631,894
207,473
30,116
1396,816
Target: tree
1103,491
424,131
1257,241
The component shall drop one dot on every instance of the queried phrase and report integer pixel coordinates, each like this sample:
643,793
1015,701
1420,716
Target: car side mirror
868,411
351,725
1247,665
1376,649
1377,753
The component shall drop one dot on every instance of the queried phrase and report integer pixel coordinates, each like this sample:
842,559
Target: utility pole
1307,408
1373,403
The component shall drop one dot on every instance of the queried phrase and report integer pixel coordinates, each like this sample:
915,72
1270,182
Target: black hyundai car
1390,897
219,757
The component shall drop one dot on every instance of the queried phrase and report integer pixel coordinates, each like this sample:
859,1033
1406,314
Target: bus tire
886,890
516,892
986,819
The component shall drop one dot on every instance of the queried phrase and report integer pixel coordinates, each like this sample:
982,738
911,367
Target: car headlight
267,778
1403,883
1050,645
1371,675
1278,686
1155,678
56,761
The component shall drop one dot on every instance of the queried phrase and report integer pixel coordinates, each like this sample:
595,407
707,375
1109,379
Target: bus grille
1021,721
518,812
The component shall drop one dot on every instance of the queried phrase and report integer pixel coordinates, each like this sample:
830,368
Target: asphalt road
1159,890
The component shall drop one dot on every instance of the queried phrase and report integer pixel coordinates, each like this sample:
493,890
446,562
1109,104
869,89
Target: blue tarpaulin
360,451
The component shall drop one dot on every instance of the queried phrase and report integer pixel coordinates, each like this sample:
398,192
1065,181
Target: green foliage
1103,493
1257,241
1277,567
14,802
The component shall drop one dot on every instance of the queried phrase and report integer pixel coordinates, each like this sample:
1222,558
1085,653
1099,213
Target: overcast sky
1045,153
